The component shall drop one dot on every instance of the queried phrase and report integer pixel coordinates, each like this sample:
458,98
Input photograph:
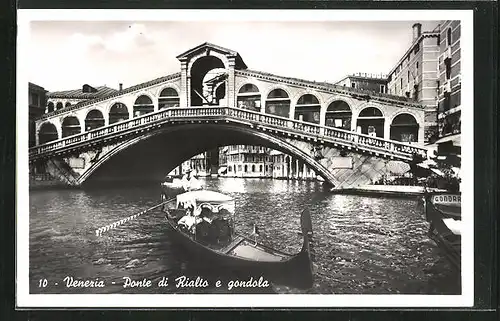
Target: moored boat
443,212
202,222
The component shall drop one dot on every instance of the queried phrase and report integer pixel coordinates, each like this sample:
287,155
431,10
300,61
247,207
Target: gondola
202,222
443,212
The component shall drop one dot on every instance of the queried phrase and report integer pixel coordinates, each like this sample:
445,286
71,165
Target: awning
456,139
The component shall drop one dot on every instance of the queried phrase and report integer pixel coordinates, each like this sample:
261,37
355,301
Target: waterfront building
369,82
37,100
415,76
450,80
199,164
245,161
63,99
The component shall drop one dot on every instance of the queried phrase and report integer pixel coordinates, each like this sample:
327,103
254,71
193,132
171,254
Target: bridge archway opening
118,112
67,104
249,98
404,128
278,103
169,97
203,89
47,133
308,109
371,122
50,107
59,105
70,126
339,115
164,153
143,105
94,120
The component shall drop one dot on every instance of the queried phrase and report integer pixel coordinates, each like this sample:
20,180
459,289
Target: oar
108,227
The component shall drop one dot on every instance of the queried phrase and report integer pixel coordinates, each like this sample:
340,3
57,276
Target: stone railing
284,125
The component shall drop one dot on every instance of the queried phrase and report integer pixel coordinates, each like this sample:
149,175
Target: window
408,76
416,65
448,37
447,64
34,100
353,85
401,81
417,48
382,89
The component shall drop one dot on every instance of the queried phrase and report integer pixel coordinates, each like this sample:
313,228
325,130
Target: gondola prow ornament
255,233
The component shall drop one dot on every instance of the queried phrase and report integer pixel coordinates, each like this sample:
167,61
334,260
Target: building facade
63,99
369,82
415,76
450,79
37,101
245,161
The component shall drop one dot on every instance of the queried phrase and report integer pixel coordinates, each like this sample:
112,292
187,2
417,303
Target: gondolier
189,181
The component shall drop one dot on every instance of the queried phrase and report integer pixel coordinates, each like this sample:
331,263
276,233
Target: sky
65,55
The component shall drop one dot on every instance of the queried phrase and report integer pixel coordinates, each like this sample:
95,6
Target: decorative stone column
231,83
184,90
387,128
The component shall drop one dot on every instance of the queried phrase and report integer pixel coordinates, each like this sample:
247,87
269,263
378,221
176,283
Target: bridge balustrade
285,124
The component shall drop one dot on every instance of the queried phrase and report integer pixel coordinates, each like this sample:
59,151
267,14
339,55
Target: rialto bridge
348,136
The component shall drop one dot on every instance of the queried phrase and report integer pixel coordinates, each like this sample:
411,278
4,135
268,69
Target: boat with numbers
202,222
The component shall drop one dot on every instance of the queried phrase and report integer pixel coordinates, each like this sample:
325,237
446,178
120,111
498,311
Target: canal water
363,245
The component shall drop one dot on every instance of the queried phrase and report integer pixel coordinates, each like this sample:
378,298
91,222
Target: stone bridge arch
202,137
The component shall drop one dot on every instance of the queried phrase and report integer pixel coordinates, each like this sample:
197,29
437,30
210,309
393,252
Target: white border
24,299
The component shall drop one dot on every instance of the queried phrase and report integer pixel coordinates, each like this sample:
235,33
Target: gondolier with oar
189,181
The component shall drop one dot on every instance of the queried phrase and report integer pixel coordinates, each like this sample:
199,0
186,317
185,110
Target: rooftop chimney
120,86
417,31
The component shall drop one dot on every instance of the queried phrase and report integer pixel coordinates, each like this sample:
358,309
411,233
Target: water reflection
362,244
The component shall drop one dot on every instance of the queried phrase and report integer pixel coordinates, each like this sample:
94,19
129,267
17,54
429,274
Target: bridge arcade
379,115
303,112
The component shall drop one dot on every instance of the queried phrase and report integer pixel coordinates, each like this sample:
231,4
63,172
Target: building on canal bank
37,101
449,118
245,161
415,76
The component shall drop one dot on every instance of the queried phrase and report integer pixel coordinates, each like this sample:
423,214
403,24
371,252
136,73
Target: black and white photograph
176,158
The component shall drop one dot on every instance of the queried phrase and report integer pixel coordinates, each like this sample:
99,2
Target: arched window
94,120
59,105
50,107
246,168
448,37
118,112
253,167
338,114
308,109
143,105
168,98
371,122
260,168
278,103
70,126
404,128
249,97
67,104
47,133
